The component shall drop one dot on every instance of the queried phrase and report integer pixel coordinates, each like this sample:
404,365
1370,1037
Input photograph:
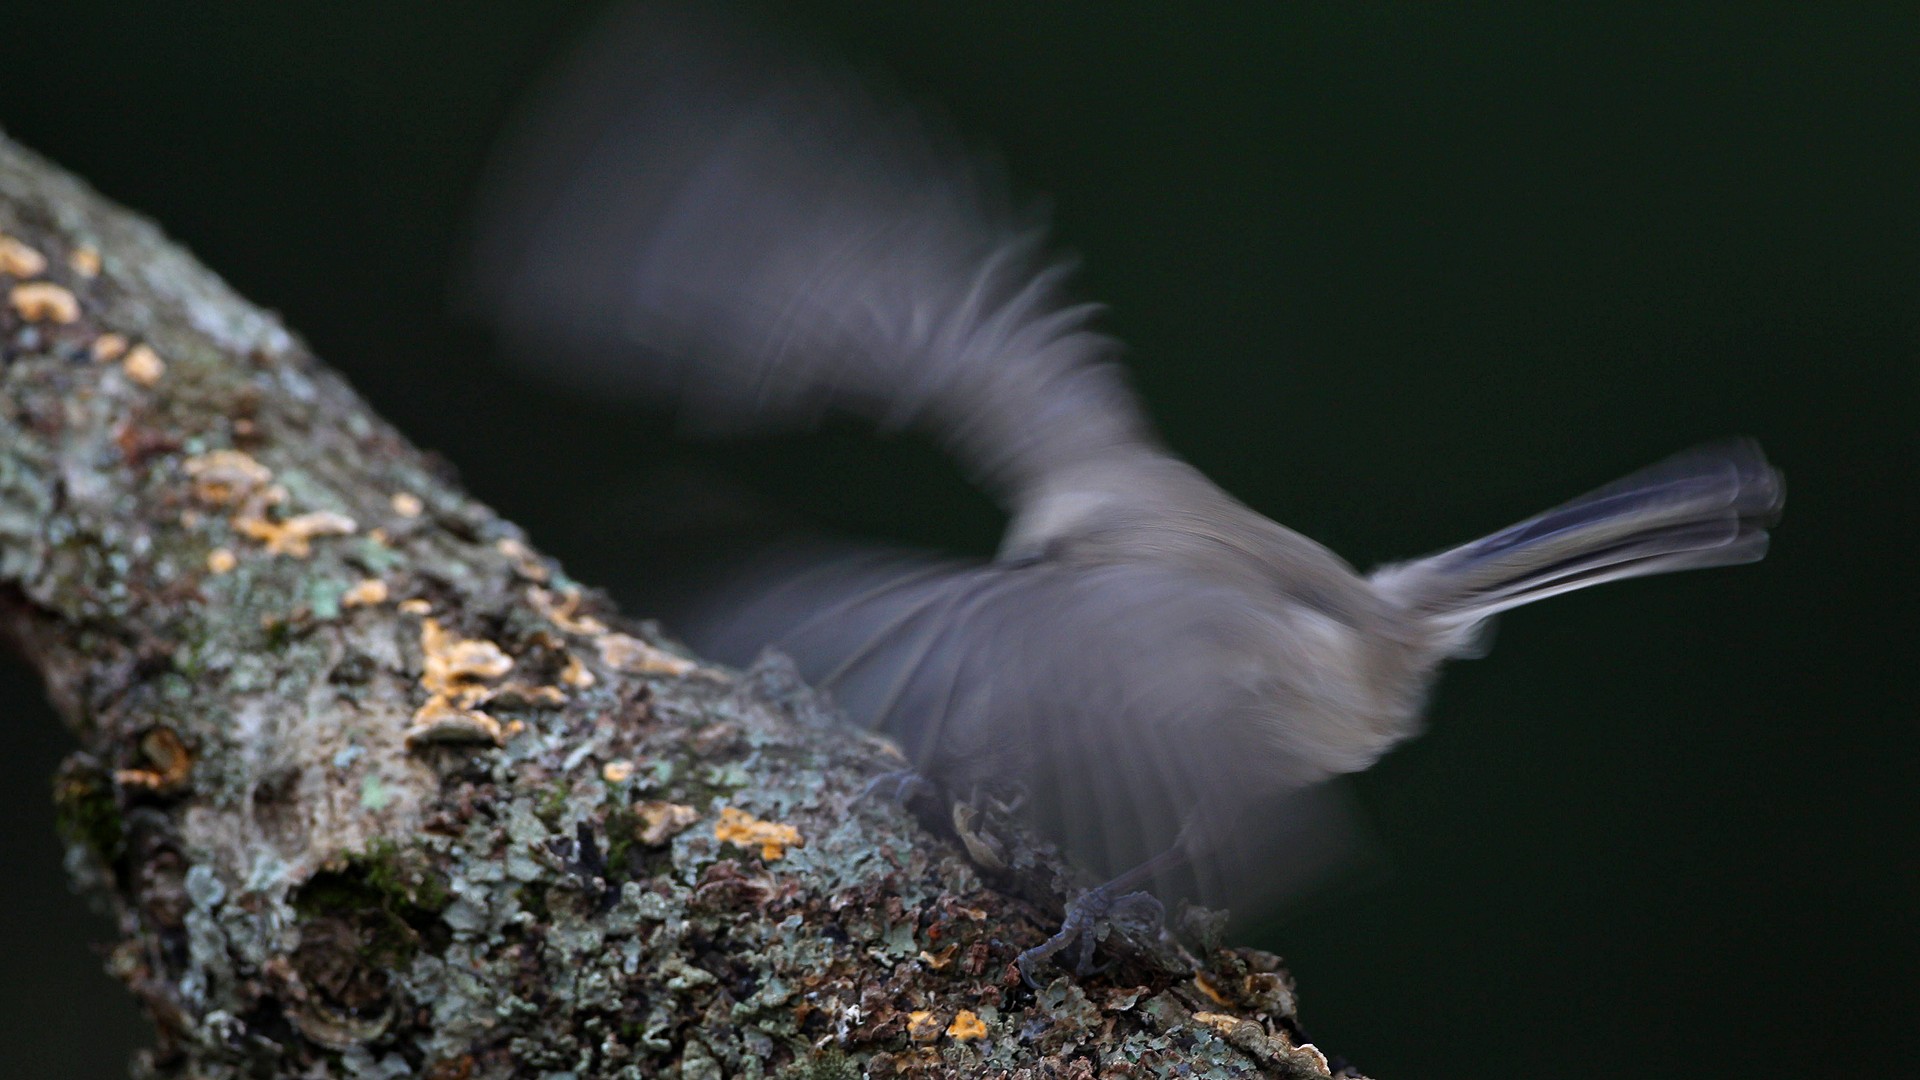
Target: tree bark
374,790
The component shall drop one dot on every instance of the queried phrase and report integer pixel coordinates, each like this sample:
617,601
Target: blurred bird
1166,678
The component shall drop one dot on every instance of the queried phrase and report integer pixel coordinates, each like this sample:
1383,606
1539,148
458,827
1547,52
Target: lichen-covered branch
375,790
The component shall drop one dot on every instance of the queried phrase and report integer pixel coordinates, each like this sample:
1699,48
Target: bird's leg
897,785
1118,903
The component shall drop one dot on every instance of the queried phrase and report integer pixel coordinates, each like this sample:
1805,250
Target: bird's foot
898,785
1091,918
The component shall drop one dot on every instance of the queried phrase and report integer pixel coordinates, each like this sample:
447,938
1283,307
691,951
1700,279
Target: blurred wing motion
692,214
1105,697
1709,506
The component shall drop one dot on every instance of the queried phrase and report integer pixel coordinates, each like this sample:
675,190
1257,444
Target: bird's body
1149,662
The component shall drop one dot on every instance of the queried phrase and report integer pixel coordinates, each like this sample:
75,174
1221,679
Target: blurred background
1395,275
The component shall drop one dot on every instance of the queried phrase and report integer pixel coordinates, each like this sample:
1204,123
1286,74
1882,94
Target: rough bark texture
373,790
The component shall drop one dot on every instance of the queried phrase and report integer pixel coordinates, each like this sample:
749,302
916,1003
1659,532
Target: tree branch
374,790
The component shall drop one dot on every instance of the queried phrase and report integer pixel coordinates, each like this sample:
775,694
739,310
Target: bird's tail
1710,506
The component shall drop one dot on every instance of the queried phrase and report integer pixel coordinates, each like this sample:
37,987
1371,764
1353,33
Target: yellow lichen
562,610
617,771
43,301
455,671
575,674
294,536
414,605
19,260
406,504
458,671
635,657
440,720
736,826
525,562
662,821
365,593
108,347
1222,1022
457,668
922,1027
221,561
85,260
966,1025
143,365
166,761
1205,986
225,477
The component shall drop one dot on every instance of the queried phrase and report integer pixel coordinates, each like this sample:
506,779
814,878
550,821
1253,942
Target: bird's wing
691,213
1109,697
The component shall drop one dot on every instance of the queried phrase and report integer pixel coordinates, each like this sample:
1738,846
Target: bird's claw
898,786
1090,918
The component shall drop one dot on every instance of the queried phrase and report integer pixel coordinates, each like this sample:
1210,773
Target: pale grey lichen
305,893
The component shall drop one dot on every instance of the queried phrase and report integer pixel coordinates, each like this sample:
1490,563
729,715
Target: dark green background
1395,275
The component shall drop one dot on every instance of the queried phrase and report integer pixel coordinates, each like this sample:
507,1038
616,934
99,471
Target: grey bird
1162,675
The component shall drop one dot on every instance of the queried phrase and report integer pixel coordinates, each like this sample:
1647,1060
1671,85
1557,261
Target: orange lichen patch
456,674
618,771
143,365
922,1027
19,260
562,611
406,504
225,477
107,348
85,260
295,535
635,657
736,826
1205,986
365,593
525,562
168,763
966,1025
414,606
440,720
43,301
662,821
457,668
221,561
575,674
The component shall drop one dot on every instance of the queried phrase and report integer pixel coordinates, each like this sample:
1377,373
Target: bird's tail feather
1710,506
